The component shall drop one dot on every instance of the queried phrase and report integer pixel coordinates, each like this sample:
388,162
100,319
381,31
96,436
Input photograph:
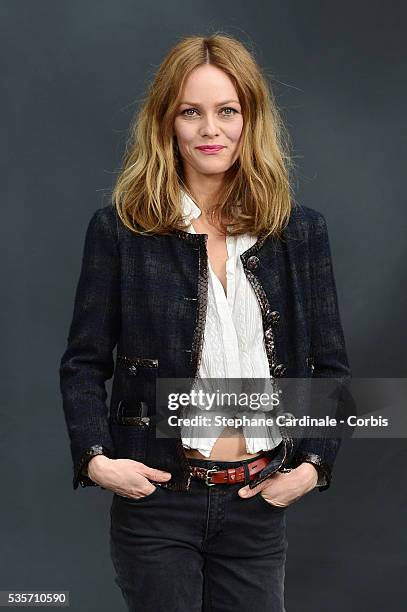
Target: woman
204,268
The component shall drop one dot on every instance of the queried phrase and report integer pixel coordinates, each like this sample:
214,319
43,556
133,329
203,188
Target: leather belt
214,475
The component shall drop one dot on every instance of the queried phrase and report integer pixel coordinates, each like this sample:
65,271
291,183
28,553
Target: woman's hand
284,488
125,477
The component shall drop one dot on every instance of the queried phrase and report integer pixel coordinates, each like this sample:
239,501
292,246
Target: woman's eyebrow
219,103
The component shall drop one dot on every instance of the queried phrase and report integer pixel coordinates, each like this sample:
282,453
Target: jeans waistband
210,463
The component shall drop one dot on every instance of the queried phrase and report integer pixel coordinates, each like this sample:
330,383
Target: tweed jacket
144,298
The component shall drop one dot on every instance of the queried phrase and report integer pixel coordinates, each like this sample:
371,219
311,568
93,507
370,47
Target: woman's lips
210,150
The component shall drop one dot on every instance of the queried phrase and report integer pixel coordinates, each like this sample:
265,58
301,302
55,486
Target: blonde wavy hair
147,193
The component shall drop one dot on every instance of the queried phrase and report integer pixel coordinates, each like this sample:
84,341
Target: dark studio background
72,74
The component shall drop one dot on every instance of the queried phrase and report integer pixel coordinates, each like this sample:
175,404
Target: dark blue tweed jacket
147,296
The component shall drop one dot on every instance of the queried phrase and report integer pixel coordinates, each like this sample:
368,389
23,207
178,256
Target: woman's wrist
95,465
307,474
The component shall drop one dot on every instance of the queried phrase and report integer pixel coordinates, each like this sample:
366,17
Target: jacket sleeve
88,360
328,348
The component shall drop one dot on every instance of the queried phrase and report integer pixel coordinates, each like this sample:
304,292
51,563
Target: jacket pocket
138,366
133,383
135,413
130,430
130,413
130,441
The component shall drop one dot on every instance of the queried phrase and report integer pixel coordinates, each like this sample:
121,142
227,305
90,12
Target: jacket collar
190,210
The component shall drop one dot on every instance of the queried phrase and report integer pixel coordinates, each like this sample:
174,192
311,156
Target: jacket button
272,316
275,316
132,370
253,262
279,370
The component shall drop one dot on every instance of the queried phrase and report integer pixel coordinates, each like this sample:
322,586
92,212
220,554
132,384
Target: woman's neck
204,190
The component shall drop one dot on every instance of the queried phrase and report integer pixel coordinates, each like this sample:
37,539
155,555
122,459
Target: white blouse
233,348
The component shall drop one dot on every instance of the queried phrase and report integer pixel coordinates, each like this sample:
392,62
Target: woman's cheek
234,131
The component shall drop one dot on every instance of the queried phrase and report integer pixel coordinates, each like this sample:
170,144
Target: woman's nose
209,126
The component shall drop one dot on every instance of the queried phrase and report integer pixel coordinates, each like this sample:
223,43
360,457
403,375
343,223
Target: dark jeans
205,549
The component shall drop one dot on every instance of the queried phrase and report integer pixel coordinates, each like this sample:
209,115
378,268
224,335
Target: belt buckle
208,472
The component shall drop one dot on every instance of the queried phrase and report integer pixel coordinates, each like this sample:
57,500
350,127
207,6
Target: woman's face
209,114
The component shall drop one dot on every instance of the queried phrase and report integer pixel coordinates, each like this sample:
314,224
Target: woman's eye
189,112
229,108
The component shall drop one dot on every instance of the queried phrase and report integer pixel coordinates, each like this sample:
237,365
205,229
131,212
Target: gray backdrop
72,75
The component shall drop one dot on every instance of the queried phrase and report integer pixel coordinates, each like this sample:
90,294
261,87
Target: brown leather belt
214,475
